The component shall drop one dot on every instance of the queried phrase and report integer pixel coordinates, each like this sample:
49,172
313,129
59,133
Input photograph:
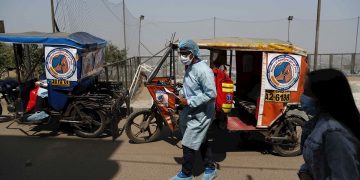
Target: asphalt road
43,155
26,153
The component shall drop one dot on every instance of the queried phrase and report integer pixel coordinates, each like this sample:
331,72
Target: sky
255,18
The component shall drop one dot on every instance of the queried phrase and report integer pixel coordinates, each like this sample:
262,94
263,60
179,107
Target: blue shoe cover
38,116
182,176
209,174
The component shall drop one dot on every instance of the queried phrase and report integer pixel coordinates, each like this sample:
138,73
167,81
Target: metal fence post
122,73
164,71
117,72
331,61
106,74
309,61
315,62
131,66
125,71
341,61
352,64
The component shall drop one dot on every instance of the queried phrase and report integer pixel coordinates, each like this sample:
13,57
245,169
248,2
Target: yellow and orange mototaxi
264,97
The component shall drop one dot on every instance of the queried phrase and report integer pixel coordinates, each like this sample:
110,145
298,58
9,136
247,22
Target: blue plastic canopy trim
79,40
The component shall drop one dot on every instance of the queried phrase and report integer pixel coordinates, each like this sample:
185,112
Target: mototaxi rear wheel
291,128
92,123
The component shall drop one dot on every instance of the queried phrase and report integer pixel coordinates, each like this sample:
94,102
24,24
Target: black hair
333,92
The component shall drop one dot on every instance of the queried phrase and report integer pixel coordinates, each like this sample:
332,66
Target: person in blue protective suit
198,98
331,147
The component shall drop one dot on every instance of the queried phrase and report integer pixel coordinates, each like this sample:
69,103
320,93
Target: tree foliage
6,56
114,54
32,61
36,54
36,58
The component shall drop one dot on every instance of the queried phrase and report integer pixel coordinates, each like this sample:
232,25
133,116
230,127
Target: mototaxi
268,76
72,64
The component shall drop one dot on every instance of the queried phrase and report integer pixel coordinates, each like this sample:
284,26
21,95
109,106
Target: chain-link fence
348,63
103,18
336,36
115,23
121,71
165,69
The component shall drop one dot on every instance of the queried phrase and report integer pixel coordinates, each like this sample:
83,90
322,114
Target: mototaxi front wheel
143,126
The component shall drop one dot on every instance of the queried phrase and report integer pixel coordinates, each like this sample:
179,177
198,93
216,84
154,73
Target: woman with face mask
332,148
198,98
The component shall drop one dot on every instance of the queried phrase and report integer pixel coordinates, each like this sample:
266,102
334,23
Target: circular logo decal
283,72
162,97
60,63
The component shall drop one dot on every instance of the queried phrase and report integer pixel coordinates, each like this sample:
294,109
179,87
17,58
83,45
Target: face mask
185,59
308,104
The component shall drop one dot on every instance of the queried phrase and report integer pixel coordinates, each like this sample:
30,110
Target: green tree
114,54
6,56
31,62
36,57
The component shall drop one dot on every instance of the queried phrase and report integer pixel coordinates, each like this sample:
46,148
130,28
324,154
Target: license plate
277,96
56,82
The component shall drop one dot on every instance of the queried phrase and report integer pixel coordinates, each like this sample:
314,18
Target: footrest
236,124
250,107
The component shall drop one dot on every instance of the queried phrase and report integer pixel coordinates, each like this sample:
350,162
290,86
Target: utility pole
124,25
353,56
52,16
214,26
290,18
140,19
126,80
317,34
357,33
